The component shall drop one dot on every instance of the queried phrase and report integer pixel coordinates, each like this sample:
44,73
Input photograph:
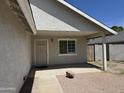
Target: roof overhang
25,8
107,29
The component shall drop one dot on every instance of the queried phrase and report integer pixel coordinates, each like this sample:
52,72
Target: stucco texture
15,51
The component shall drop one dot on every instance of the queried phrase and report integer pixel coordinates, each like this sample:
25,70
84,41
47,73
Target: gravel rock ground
92,83
114,67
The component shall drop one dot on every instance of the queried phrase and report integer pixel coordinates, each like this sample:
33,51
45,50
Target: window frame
67,54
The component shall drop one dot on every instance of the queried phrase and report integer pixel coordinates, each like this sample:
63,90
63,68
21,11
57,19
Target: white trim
74,54
104,53
67,39
47,49
87,16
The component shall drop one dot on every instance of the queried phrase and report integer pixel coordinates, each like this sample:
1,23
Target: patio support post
104,53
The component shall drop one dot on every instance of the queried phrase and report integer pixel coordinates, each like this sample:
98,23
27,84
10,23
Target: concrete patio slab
46,82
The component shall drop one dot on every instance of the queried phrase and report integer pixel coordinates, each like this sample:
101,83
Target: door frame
35,50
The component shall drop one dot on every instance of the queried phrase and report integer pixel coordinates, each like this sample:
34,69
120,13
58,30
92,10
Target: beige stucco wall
54,50
15,51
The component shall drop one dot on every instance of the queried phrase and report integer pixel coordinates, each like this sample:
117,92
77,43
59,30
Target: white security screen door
40,52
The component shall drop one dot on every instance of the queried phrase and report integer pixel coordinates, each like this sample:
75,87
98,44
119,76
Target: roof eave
87,16
29,19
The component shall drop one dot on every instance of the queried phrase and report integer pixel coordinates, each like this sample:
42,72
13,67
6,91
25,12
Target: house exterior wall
15,51
116,52
54,58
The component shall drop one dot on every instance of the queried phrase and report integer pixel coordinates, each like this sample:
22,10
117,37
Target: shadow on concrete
84,65
27,87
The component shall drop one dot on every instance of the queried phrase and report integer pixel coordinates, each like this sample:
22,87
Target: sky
109,12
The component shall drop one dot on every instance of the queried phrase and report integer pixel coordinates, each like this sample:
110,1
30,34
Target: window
67,47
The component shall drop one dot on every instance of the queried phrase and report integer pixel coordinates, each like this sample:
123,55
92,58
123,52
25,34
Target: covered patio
61,39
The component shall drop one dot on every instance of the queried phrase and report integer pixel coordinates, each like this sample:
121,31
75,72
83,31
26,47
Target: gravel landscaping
114,67
92,83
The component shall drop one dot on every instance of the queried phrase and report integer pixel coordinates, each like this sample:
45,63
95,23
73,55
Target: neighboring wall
15,51
54,51
115,47
116,52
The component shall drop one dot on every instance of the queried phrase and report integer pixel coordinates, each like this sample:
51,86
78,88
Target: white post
104,54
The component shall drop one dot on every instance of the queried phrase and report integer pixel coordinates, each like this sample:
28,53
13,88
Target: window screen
67,46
